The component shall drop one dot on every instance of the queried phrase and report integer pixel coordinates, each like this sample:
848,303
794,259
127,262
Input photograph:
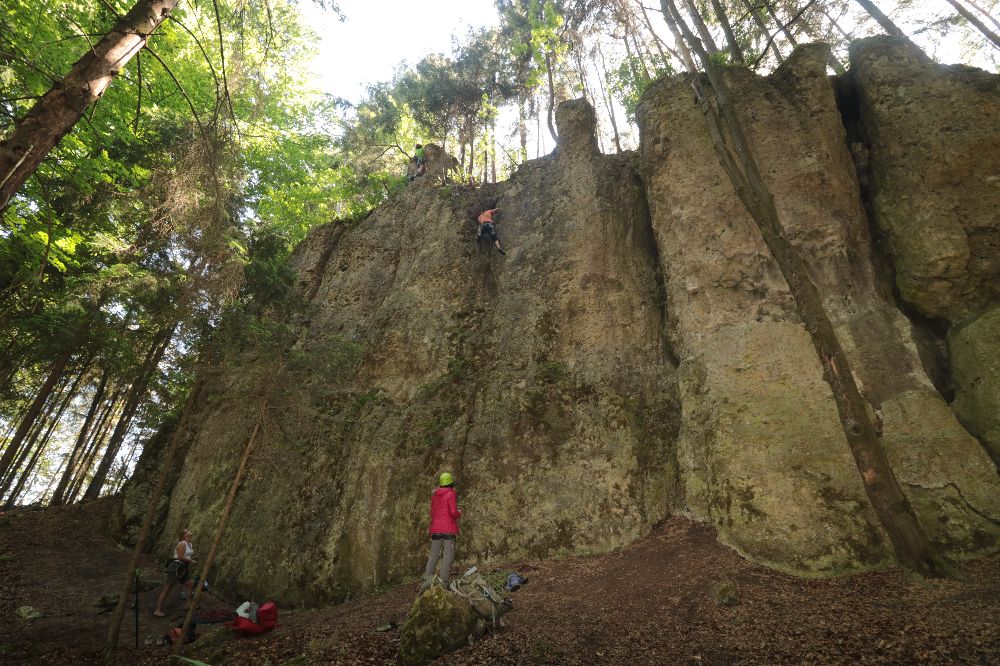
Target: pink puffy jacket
444,512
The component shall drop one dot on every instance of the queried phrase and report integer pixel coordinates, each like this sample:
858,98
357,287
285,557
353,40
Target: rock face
635,354
761,449
935,156
541,379
975,362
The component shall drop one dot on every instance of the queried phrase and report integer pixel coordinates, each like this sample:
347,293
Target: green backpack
487,603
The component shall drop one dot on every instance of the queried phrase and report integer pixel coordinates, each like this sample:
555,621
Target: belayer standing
178,571
487,228
443,528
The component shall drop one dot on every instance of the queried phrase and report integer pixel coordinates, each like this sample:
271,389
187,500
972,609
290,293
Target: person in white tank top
178,571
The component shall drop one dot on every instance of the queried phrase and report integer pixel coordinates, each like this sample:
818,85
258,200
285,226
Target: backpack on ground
487,603
267,618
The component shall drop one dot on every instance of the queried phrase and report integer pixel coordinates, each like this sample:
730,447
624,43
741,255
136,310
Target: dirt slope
650,603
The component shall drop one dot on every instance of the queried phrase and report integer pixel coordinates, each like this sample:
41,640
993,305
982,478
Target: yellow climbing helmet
446,479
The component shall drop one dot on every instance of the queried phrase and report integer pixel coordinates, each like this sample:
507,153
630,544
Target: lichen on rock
636,353
437,623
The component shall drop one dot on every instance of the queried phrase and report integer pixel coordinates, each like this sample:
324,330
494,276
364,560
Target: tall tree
974,20
75,454
736,52
136,394
28,420
887,499
61,108
883,20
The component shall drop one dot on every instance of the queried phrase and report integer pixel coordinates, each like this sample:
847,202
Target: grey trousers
437,545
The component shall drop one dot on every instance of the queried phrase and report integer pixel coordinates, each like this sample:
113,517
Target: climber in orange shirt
486,228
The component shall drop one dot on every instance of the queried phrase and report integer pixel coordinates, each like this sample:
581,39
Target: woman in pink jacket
443,528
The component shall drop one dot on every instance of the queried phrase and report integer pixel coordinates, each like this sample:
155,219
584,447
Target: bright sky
378,34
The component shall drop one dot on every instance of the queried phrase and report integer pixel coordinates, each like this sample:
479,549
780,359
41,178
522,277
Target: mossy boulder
438,622
725,594
975,357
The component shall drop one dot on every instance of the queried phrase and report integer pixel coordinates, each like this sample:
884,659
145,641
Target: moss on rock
438,622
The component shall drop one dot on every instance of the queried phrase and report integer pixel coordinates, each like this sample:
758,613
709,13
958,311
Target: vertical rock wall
635,353
541,379
934,137
761,449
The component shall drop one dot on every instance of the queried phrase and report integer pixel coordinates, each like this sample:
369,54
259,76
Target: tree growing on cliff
733,149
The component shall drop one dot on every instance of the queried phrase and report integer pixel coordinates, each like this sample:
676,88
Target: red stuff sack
246,626
267,615
267,618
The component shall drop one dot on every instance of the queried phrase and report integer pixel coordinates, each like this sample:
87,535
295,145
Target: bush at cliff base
437,623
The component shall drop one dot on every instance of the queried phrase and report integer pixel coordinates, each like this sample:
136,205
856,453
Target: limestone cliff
935,155
761,448
635,354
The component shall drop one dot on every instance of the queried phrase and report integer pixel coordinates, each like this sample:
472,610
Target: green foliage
630,81
150,213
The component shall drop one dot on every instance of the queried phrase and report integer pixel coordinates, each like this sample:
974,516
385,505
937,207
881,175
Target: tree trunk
522,127
985,13
47,493
550,117
152,506
28,445
72,460
493,140
679,42
94,446
727,29
974,20
834,62
759,22
120,478
64,104
887,499
638,55
833,22
607,100
138,393
890,28
26,474
472,154
220,528
583,77
36,406
657,42
706,36
53,420
781,26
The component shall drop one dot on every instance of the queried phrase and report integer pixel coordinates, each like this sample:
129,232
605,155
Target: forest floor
650,603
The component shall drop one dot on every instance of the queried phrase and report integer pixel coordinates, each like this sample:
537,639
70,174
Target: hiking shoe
501,252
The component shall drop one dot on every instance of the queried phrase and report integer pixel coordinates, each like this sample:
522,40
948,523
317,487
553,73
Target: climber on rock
420,160
487,228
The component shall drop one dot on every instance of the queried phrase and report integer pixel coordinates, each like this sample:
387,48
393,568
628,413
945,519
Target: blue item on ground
514,581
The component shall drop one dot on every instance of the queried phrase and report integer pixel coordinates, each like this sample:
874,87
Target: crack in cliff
931,333
950,484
